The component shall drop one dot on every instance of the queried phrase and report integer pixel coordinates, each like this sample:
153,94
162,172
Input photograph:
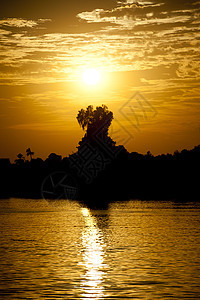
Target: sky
147,53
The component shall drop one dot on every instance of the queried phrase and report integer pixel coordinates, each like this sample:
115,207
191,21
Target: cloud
140,4
126,15
21,23
4,32
137,38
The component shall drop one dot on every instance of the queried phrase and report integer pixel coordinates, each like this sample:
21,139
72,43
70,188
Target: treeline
128,175
100,171
54,159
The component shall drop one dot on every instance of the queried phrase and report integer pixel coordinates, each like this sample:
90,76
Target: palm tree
29,153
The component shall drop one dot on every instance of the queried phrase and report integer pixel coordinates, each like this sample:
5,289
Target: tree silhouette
20,159
92,120
54,157
29,153
20,156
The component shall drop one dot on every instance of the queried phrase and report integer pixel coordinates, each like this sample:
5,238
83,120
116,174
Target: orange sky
148,56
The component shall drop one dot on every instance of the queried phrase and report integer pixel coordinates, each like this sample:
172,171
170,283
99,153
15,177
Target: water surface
132,250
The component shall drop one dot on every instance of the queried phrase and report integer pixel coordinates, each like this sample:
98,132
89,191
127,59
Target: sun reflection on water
93,258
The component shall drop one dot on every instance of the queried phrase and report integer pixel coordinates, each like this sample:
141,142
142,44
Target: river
129,250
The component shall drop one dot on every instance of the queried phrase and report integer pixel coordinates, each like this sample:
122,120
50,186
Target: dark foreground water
135,250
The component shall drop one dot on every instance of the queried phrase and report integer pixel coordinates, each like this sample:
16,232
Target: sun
91,76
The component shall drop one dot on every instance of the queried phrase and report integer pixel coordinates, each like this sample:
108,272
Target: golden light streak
93,257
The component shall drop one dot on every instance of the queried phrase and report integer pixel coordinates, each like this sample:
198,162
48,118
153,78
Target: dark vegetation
101,171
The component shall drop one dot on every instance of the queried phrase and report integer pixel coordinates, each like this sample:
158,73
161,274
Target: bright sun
91,76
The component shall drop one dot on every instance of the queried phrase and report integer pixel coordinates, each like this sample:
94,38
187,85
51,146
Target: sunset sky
145,52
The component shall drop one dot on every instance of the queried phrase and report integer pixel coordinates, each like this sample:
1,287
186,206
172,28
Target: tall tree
91,119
